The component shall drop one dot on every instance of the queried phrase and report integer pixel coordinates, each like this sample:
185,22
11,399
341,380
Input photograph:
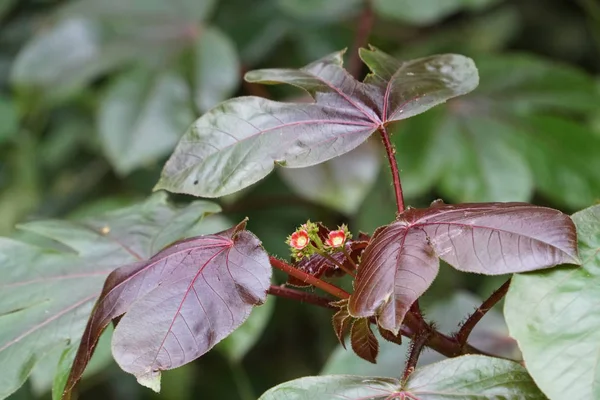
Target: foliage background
95,94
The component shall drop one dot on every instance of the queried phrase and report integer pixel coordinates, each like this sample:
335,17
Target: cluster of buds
311,238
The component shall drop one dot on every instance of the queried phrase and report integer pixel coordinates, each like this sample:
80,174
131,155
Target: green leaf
473,377
10,119
216,69
87,38
236,345
341,183
332,387
425,12
465,377
553,316
321,10
141,117
48,293
500,142
239,142
65,57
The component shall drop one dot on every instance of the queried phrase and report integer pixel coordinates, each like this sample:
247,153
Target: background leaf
45,304
216,68
142,117
552,316
341,183
425,11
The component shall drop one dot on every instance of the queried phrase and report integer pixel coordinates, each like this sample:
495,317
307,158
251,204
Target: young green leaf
48,293
178,304
239,142
401,261
553,315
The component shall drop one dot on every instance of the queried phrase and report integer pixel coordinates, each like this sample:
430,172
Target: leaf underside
401,261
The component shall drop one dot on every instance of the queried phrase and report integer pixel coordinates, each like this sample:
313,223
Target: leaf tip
150,380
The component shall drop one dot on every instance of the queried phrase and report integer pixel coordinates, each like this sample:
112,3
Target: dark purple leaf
364,343
489,238
396,269
239,142
341,321
178,304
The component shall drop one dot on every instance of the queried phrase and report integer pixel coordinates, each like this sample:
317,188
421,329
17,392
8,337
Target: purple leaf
240,141
363,341
488,238
179,303
396,269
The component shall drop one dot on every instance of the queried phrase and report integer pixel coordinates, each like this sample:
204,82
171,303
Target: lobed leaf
48,292
178,304
465,377
554,317
401,262
239,142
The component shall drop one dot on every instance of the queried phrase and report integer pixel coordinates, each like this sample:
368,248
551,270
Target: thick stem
301,296
467,327
307,278
365,24
445,345
394,167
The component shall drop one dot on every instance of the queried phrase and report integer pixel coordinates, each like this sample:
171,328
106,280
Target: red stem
301,296
394,167
365,24
467,327
307,278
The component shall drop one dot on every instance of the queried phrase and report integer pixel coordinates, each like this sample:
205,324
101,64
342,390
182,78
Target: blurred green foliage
94,95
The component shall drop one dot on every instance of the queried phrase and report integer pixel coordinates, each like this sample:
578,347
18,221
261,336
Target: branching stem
467,327
307,278
301,296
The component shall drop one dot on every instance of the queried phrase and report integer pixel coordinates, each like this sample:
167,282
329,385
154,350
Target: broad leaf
329,387
48,293
239,142
554,317
216,68
363,341
341,183
141,117
510,137
473,377
424,12
237,345
87,38
401,261
341,321
178,304
465,377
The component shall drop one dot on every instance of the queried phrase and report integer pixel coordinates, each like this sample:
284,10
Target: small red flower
299,239
336,238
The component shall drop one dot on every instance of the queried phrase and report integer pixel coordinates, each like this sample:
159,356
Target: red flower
336,238
299,239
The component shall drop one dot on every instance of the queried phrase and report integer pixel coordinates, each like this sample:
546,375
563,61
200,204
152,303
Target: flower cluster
311,238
